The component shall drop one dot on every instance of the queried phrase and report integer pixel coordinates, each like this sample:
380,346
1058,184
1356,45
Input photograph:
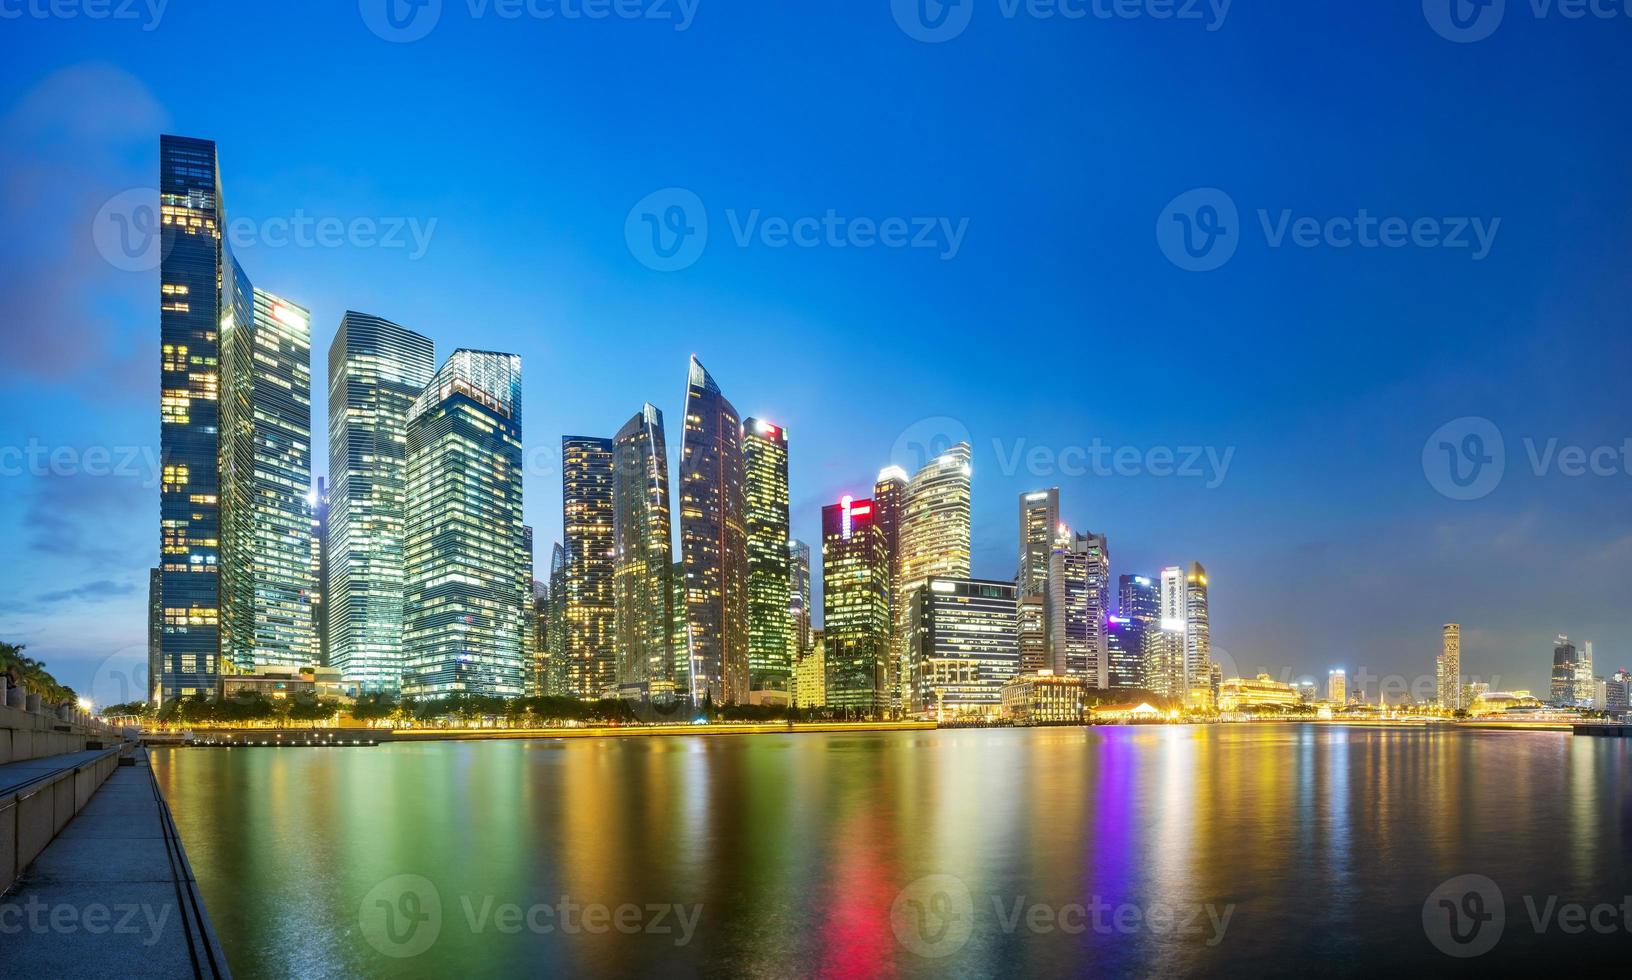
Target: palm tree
33,675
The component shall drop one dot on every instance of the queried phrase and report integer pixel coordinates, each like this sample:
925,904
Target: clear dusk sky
1051,145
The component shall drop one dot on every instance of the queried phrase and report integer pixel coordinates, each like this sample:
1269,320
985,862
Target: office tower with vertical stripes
643,619
589,667
855,607
934,542
765,499
889,499
799,596
1039,523
714,541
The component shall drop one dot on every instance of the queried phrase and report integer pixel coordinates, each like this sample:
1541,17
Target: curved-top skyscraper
642,556
714,541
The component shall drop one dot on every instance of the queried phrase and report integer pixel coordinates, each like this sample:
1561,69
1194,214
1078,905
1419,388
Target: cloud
100,589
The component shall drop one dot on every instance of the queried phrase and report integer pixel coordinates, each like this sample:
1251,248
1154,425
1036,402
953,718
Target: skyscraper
191,218
1586,683
589,665
889,503
643,553
1078,602
376,370
320,569
1450,667
770,624
799,595
1039,523
934,542
1033,632
713,540
1124,645
466,550
1565,662
1198,643
855,606
1337,687
155,632
265,468
1163,647
555,666
965,644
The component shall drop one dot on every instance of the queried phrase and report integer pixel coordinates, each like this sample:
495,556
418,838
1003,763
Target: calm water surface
1241,850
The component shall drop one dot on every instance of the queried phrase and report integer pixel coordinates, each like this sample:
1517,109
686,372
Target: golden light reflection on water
1320,841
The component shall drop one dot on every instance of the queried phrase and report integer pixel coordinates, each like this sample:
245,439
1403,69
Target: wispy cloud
100,589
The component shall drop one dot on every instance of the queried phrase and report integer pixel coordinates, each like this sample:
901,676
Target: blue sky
1055,144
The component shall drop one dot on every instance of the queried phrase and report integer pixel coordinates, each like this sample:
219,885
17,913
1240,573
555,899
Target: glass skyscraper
1078,603
376,371
799,596
855,606
589,663
965,643
934,542
765,495
465,548
713,541
642,593
1198,644
1039,522
889,499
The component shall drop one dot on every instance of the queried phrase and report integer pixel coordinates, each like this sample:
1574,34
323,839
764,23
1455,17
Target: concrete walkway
113,895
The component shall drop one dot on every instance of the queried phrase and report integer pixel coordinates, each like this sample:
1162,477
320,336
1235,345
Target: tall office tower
376,370
966,645
684,659
1564,664
538,674
191,217
1450,667
810,674
714,540
1163,649
589,667
529,613
855,606
1337,687
1198,644
1033,630
799,595
1139,604
155,634
1586,683
1077,603
320,569
265,466
934,542
555,672
643,552
462,625
1039,523
1172,598
765,496
889,503
1124,646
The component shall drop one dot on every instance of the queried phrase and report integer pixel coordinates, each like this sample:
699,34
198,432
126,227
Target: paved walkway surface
15,774
112,896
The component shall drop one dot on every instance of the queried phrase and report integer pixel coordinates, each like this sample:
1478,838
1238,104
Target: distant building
1163,649
855,607
1565,662
810,675
1124,645
1033,626
889,501
965,646
1039,520
1337,687
934,541
799,596
1263,691
642,551
1198,644
1450,667
1045,698
1585,680
1077,604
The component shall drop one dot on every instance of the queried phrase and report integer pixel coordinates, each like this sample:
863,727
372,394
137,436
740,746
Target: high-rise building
191,218
799,595
889,503
966,646
538,675
320,569
934,541
1078,602
1124,645
265,467
465,548
530,599
685,665
714,541
1565,661
1039,523
1586,682
555,667
1162,644
589,662
155,632
1450,667
855,606
643,553
810,675
1337,686
1139,605
1033,629
1198,644
376,370
765,496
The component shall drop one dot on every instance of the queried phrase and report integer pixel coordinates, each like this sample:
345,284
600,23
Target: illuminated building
589,663
320,569
643,551
155,632
1198,644
1337,687
1139,607
965,646
889,501
765,499
465,547
555,664
1077,604
799,596
933,543
191,217
1565,662
1039,519
1124,648
538,676
1033,627
1163,648
1618,694
1586,684
680,630
1045,698
810,675
1450,667
376,370
855,607
265,467
713,541
1264,691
